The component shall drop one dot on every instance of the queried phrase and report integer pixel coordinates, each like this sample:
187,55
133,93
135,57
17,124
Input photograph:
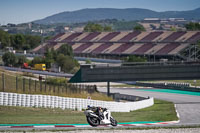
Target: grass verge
160,111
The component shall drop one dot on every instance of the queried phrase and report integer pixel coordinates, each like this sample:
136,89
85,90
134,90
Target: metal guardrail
124,64
162,63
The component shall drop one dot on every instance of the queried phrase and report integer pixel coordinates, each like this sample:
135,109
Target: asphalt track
187,103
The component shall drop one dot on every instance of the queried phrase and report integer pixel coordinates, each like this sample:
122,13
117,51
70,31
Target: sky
21,11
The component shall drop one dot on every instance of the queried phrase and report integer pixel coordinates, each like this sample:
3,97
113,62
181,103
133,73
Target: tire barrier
47,101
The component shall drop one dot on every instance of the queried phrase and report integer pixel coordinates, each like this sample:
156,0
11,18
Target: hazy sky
19,11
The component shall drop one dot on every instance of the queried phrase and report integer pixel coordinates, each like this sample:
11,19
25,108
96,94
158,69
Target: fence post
3,82
23,84
40,86
29,84
66,89
54,90
62,88
16,83
45,86
35,85
58,88
50,88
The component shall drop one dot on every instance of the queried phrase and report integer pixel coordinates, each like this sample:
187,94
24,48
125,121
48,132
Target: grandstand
160,44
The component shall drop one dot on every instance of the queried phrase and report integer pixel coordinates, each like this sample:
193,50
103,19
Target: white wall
47,101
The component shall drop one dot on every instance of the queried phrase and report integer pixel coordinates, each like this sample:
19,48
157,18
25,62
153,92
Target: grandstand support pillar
108,88
195,52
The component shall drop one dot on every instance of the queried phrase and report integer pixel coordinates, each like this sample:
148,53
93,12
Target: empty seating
168,48
91,36
109,36
128,43
130,36
122,48
195,37
151,36
101,48
82,47
174,36
72,36
144,48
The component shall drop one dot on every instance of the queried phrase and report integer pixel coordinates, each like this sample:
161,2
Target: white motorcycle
99,116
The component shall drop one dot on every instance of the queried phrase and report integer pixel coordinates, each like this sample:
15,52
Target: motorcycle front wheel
113,121
93,121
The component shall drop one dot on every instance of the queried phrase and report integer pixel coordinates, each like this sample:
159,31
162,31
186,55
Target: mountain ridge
93,14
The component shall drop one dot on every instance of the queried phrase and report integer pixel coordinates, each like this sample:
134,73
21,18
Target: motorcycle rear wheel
93,121
113,121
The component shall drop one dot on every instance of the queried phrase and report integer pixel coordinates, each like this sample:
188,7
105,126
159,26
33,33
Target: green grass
160,111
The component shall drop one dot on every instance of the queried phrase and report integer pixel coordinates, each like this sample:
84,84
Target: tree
139,28
4,39
50,57
107,28
66,63
37,60
66,49
9,59
91,27
32,41
21,60
192,26
18,41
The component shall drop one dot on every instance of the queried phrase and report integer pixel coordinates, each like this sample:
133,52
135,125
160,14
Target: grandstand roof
138,43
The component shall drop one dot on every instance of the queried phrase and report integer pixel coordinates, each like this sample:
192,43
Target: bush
21,60
139,28
88,61
133,58
9,59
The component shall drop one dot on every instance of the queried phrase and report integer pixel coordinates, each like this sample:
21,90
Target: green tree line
63,57
192,26
93,27
18,41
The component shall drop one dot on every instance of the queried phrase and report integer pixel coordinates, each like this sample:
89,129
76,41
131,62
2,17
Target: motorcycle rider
100,112
99,116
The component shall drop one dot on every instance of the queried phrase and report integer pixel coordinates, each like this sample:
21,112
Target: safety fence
28,85
47,101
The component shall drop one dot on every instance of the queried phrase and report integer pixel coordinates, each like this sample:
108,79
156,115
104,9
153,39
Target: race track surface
187,105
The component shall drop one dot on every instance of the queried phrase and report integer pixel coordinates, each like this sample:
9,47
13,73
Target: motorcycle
99,116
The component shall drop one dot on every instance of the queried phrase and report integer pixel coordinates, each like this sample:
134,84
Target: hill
128,14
